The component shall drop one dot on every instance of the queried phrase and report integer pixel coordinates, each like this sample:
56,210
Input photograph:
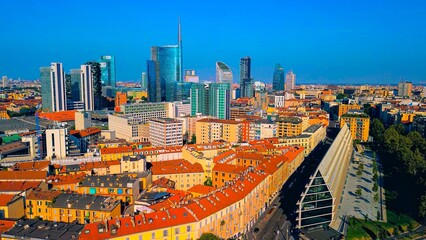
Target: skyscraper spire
179,34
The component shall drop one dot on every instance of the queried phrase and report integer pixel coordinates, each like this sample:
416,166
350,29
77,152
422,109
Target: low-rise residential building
133,163
22,176
11,206
223,173
185,174
68,182
262,129
40,229
115,153
119,187
83,138
309,139
288,126
69,207
39,204
211,130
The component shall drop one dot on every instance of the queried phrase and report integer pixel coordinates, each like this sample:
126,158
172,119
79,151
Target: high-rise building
108,70
4,81
82,87
191,77
86,89
290,81
144,82
164,72
53,88
223,73
165,132
278,78
211,99
75,85
246,81
405,89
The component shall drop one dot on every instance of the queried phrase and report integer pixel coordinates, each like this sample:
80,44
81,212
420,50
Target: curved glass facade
223,73
278,79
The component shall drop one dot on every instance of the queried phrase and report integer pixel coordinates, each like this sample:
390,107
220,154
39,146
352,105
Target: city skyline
380,41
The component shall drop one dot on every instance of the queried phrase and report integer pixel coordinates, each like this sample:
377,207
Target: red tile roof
85,132
5,199
43,194
18,186
228,168
138,223
39,165
66,179
22,175
122,149
202,189
6,225
63,116
175,167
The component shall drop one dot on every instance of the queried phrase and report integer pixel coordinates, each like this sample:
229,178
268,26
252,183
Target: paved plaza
363,206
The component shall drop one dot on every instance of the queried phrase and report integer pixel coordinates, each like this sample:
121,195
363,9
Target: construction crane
38,134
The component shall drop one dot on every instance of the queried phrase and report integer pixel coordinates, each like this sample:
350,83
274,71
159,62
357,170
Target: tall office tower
53,88
191,77
220,100
223,73
144,82
87,87
211,99
290,81
165,72
107,70
278,78
405,89
4,81
246,82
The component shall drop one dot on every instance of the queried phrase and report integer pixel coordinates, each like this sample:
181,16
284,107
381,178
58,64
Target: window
165,233
177,230
188,228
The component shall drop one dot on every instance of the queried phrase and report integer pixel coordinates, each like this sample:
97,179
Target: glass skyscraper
164,72
246,82
278,79
53,88
75,84
108,70
211,99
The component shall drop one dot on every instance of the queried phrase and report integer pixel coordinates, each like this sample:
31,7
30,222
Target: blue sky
321,41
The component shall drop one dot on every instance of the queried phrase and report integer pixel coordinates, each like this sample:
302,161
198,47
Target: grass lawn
360,229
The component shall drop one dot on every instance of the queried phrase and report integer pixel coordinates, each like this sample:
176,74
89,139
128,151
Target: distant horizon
329,42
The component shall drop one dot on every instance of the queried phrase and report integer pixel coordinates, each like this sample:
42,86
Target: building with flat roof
165,132
39,229
320,201
289,126
358,123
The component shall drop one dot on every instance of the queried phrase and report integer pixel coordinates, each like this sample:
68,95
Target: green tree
358,192
208,182
361,166
209,236
375,187
378,215
376,197
341,96
375,177
382,234
396,230
391,141
367,109
422,207
359,172
193,139
377,130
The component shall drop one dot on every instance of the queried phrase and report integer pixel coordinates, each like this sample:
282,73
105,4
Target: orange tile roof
5,199
214,120
25,166
138,223
225,157
6,225
228,168
158,150
88,166
122,149
175,167
163,182
18,185
66,179
62,116
202,189
85,132
43,195
21,175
